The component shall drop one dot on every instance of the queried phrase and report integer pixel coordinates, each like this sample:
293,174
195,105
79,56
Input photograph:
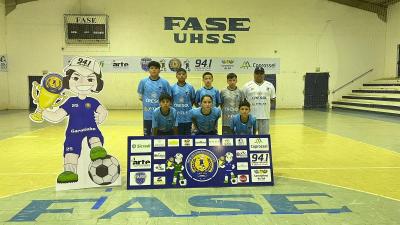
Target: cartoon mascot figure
82,78
176,164
227,164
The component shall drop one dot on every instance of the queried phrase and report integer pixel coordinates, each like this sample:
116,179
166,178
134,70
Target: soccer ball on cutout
104,171
182,182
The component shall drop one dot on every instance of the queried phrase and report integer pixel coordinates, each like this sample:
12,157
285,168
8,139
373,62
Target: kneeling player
164,117
244,122
205,118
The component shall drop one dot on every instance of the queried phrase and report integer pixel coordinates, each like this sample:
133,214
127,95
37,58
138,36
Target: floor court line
347,188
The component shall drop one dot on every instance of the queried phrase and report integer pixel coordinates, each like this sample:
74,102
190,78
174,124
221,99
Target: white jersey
259,96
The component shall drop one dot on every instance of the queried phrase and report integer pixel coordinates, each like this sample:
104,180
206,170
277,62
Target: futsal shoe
97,152
67,177
233,180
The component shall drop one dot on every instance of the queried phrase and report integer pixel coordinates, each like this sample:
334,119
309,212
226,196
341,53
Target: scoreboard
86,29
199,161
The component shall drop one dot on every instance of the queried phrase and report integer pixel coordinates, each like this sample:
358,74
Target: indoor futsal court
332,151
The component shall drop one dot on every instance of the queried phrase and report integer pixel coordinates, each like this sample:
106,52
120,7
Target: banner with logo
135,64
3,63
199,161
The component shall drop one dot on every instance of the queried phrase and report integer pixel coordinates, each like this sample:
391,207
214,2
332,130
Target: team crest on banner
202,165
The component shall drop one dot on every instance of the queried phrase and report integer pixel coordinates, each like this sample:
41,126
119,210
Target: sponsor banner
138,64
3,63
207,161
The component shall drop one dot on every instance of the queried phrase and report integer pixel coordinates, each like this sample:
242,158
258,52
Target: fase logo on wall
211,30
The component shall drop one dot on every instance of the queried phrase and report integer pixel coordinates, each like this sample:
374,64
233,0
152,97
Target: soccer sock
71,167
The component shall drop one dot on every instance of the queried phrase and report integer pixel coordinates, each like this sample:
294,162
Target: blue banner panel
199,161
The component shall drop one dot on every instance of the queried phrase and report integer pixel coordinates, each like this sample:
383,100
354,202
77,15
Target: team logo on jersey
181,99
88,105
201,165
153,95
174,64
144,63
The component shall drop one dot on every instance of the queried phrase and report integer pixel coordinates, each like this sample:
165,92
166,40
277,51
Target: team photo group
180,110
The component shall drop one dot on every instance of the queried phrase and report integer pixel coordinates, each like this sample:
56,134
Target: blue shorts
226,130
185,128
165,133
213,132
73,142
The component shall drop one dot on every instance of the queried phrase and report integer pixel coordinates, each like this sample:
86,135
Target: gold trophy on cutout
47,94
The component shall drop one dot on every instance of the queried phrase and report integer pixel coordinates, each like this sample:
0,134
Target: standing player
260,93
244,122
183,98
164,117
83,77
205,118
208,89
149,91
230,100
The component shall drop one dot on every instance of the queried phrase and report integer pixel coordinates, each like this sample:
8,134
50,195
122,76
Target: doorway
316,90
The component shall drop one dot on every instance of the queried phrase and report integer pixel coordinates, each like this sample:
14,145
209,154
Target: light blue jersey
150,90
239,127
213,92
164,123
183,97
206,123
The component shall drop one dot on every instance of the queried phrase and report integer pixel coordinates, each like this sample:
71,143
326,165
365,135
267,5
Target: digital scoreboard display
86,29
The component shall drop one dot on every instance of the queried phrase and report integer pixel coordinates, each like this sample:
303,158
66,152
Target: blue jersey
164,122
150,90
81,115
183,98
206,123
239,127
213,92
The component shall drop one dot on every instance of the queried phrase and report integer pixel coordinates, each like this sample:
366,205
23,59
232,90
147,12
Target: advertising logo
259,144
144,63
214,142
140,146
203,65
173,142
227,141
159,155
227,64
201,165
159,167
200,142
260,175
187,142
140,178
240,154
242,165
141,162
159,143
159,180
259,159
243,178
241,141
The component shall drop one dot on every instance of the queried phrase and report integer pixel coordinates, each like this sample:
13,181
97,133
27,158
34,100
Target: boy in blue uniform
164,117
244,122
149,91
205,118
208,89
183,98
83,77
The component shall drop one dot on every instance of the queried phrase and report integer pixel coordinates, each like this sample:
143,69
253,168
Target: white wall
392,40
3,75
306,34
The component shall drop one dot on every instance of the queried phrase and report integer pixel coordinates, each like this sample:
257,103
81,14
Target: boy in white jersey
260,93
230,100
